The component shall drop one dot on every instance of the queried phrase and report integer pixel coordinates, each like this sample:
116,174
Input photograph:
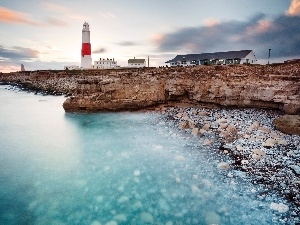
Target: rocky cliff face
276,86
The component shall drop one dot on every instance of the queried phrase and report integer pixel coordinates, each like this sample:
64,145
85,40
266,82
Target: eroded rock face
288,124
275,87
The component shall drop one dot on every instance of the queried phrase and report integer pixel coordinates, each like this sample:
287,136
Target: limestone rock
288,124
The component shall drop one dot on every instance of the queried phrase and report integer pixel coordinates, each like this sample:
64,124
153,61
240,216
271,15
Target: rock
280,207
239,148
270,142
195,131
223,126
255,125
96,222
222,120
212,218
207,142
292,108
137,173
258,154
288,124
231,128
146,217
206,127
120,217
112,222
295,168
223,166
202,131
184,125
202,113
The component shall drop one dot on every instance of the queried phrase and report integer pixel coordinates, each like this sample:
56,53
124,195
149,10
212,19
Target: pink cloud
11,16
55,7
210,22
262,26
294,9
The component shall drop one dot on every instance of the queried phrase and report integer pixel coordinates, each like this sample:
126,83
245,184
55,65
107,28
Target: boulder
288,124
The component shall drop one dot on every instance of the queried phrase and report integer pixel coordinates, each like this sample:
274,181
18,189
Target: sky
46,34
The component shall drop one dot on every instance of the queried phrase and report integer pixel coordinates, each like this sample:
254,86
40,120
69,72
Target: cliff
262,86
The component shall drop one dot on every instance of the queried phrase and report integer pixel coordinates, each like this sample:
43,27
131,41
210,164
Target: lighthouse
86,59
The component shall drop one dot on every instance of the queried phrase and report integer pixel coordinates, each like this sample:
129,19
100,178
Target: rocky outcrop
276,86
288,124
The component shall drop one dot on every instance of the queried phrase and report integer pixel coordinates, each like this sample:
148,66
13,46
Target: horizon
47,35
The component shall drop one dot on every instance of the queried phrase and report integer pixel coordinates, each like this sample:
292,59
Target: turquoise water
112,168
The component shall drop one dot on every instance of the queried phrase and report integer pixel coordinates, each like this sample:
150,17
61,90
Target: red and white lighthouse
86,59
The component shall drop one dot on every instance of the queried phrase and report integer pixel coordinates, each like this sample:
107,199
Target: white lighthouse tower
86,59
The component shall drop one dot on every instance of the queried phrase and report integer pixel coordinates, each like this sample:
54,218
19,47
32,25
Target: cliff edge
262,86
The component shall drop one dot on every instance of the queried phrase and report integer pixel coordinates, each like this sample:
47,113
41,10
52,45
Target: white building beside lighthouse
86,59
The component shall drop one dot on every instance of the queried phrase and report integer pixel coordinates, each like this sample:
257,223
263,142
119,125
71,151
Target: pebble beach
248,146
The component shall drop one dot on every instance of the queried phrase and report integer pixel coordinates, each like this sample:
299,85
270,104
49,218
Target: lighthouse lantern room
86,59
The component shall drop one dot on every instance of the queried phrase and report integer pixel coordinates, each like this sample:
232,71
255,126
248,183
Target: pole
269,55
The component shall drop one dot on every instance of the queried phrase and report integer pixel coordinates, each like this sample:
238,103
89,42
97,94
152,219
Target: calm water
111,168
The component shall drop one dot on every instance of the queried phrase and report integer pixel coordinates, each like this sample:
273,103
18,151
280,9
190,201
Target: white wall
136,65
86,62
250,58
105,64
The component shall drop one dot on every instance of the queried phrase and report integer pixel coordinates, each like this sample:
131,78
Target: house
216,58
72,67
105,64
136,63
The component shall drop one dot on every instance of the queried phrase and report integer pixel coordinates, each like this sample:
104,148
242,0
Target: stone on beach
270,142
195,131
223,166
258,154
206,127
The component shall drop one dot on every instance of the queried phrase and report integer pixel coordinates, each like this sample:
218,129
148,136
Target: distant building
105,64
72,67
22,67
136,63
216,58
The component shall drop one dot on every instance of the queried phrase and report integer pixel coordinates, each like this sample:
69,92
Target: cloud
11,16
294,9
18,53
127,43
55,7
108,15
56,22
210,22
281,34
99,50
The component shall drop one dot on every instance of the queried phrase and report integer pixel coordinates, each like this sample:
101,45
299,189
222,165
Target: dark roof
216,55
136,60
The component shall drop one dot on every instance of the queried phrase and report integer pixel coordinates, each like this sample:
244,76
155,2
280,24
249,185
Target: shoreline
248,142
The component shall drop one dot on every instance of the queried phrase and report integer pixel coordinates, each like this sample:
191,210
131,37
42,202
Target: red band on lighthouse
86,49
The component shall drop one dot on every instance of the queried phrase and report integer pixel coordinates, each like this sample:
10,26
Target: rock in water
223,166
288,124
146,217
212,218
280,207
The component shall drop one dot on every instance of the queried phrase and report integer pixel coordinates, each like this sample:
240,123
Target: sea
60,168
